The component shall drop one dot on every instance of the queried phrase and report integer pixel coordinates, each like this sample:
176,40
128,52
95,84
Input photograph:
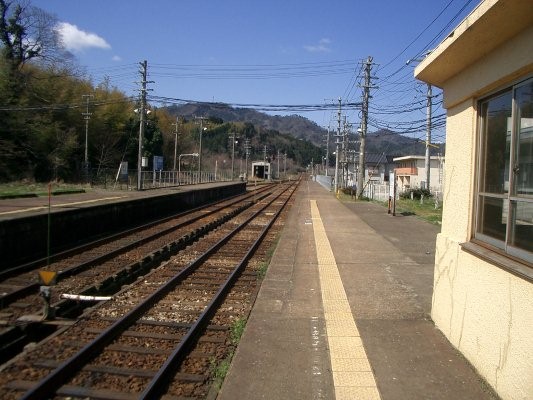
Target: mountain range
379,142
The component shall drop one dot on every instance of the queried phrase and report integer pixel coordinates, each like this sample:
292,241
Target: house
377,167
410,173
483,281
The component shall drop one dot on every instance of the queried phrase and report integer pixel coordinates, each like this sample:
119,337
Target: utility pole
336,187
327,152
247,152
86,117
364,124
176,134
200,148
428,136
345,163
232,136
277,159
142,111
285,165
264,163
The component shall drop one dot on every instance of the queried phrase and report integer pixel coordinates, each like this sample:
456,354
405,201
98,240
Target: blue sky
270,53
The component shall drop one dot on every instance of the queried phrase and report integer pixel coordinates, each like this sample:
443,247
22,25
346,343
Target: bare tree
29,33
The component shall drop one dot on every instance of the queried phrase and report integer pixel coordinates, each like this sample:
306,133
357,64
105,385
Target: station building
483,281
261,170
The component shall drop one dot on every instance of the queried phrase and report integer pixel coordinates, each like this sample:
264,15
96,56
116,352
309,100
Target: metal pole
200,151
175,143
278,163
327,153
232,155
200,148
179,170
336,186
247,152
141,125
344,154
86,117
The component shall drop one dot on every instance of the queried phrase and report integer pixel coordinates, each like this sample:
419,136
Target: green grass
220,370
262,270
236,330
22,188
425,211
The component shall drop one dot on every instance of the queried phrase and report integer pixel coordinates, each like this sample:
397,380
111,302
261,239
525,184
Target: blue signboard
158,163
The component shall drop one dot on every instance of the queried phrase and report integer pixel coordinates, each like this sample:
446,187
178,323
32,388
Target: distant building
410,173
261,170
377,167
483,285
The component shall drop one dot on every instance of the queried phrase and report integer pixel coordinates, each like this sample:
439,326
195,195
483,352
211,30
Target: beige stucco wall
506,63
487,314
485,311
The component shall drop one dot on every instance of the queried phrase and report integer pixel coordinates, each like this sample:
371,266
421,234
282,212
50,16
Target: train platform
13,208
344,312
64,221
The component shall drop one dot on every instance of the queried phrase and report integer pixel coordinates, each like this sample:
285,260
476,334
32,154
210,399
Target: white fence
373,191
377,191
158,179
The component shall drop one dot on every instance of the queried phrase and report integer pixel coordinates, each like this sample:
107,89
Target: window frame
509,197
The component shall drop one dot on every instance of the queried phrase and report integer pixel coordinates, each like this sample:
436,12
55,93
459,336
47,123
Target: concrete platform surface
22,207
344,312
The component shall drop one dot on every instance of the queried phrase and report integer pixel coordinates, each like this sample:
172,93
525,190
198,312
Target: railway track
162,335
100,268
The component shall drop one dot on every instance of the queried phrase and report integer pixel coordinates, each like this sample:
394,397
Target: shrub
417,193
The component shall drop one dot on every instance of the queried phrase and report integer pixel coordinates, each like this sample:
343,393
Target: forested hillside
294,125
53,115
50,110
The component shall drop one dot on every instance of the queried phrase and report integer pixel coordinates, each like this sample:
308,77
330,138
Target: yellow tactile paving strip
352,375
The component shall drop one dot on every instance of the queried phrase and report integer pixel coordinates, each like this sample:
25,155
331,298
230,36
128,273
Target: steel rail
52,382
7,273
160,381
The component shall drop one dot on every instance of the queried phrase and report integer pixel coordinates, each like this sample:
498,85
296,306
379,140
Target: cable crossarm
49,385
158,384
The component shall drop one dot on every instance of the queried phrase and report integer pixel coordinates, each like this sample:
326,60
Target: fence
377,191
155,179
326,181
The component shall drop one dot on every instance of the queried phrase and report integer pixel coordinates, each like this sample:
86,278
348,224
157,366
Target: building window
505,182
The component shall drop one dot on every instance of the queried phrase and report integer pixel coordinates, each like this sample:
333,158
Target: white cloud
116,58
75,39
321,47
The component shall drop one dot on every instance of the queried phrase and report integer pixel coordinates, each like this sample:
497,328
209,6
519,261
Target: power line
418,36
259,107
